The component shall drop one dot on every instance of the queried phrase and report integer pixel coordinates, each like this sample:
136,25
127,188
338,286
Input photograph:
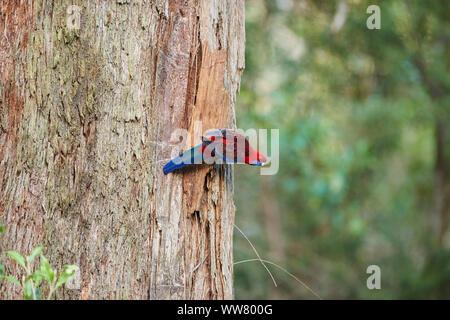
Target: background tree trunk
86,117
441,217
442,182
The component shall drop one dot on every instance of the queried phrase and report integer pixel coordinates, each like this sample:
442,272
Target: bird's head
256,158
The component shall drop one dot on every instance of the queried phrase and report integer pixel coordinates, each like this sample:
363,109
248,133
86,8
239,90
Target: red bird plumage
220,146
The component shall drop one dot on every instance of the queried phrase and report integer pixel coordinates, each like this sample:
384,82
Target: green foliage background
358,112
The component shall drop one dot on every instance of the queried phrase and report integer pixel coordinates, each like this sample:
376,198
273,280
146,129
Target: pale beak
265,163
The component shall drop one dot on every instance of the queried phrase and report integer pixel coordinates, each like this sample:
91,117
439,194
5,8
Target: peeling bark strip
86,117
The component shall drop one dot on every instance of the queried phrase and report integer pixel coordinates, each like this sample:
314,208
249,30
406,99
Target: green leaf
1,269
37,277
28,292
17,257
67,273
34,253
11,279
46,270
2,229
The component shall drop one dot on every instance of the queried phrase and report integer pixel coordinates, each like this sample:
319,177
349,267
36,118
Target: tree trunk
86,117
441,217
274,231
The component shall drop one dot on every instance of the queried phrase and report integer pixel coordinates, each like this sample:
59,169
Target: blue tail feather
171,166
188,157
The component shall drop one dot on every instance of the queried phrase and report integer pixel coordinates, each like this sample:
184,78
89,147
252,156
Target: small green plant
44,279
1,267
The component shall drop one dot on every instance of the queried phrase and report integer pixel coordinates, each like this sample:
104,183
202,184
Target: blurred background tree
364,119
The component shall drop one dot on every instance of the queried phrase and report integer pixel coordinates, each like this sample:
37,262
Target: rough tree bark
86,117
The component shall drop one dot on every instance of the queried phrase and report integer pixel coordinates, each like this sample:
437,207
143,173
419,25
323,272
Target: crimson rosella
220,146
